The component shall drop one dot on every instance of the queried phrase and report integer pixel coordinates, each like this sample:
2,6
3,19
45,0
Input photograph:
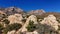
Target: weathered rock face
16,18
51,21
32,18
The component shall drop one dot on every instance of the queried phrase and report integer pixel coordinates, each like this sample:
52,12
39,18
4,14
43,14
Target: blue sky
27,5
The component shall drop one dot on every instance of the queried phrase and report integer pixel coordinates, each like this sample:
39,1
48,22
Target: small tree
31,27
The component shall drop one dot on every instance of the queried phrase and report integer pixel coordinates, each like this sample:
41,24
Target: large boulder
50,21
16,18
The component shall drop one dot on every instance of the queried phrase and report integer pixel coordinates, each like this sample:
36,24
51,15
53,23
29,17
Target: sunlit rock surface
51,21
32,18
16,18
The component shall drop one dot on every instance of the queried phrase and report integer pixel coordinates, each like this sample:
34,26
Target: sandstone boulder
50,21
32,18
16,18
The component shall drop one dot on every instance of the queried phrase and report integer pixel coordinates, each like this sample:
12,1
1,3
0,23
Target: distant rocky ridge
13,10
37,12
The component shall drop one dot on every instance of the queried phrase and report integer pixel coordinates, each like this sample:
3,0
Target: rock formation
16,18
32,18
51,21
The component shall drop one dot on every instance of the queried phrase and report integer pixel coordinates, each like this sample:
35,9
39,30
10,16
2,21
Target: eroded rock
51,21
16,18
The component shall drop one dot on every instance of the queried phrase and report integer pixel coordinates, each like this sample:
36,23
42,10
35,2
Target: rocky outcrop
16,18
13,10
51,21
32,18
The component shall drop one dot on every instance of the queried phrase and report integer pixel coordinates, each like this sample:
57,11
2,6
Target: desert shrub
5,31
27,15
1,27
31,27
11,27
6,21
4,16
23,20
43,28
14,26
58,20
59,28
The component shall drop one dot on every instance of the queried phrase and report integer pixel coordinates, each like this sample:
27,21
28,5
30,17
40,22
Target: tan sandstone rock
51,21
33,18
16,18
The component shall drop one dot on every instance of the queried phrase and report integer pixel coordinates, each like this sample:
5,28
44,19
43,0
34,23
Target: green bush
27,15
24,20
6,21
58,21
59,28
14,26
5,31
4,16
11,27
1,27
31,27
